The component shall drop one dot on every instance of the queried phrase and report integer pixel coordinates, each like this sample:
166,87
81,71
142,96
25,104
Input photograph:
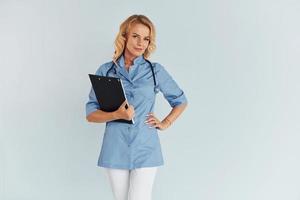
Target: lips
138,49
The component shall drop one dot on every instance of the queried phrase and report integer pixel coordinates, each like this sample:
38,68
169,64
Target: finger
151,117
152,124
123,104
158,126
130,107
151,120
155,124
150,114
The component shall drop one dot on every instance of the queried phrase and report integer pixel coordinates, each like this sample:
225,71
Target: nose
139,41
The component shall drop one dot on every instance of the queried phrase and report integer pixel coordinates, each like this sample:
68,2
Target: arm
173,94
100,116
168,120
95,114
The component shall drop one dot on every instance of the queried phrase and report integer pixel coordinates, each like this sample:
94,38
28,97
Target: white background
237,61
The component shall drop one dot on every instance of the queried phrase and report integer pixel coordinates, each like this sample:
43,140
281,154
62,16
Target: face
138,40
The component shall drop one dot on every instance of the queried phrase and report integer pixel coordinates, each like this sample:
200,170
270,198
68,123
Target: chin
138,54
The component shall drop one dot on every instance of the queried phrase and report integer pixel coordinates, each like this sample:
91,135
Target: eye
147,39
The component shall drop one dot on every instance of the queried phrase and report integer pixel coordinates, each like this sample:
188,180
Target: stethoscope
113,67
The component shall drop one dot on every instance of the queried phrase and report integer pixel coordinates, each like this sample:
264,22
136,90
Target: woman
131,153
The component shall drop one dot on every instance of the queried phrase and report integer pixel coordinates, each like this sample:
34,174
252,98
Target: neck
128,58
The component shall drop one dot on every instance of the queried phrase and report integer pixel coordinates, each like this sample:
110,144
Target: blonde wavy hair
120,41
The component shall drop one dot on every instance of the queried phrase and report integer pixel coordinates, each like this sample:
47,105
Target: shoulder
103,68
159,69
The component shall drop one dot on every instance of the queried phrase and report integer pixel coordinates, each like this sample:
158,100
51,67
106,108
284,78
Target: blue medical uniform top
130,146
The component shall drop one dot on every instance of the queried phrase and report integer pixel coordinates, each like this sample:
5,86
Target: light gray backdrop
236,60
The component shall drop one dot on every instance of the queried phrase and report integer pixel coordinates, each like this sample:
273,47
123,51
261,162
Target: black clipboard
110,94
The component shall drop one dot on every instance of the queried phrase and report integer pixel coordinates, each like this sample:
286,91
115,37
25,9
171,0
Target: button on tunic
130,146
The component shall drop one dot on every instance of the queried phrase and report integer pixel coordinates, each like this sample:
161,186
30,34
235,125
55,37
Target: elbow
89,118
182,105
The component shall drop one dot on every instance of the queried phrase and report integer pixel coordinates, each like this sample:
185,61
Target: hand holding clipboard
125,111
111,97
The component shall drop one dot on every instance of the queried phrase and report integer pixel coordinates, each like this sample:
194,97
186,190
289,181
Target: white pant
133,184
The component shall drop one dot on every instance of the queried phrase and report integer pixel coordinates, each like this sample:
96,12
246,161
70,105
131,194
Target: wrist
167,122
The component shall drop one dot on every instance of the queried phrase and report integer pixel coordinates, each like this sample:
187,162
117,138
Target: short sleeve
169,88
92,104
